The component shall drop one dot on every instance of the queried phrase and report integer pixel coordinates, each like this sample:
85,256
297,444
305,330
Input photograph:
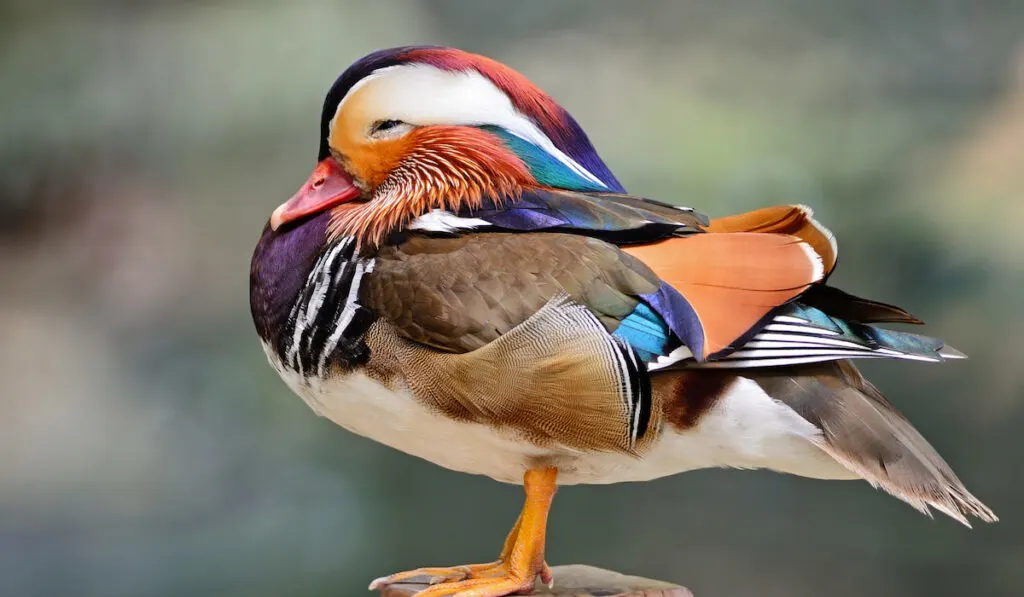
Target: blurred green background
147,449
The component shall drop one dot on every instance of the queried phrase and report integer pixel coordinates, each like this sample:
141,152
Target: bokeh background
147,449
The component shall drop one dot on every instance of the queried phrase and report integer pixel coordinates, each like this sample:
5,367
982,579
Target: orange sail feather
784,219
733,280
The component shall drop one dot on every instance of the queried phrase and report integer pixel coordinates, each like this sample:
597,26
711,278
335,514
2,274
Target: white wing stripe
782,327
806,341
790,319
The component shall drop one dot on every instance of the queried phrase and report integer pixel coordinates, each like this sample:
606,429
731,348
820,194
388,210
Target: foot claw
546,576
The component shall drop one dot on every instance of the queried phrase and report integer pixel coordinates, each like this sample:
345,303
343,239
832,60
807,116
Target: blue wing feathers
645,331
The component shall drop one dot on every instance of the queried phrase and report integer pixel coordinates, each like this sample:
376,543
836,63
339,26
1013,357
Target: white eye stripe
420,94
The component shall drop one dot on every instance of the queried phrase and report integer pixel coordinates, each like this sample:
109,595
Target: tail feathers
843,305
867,435
948,353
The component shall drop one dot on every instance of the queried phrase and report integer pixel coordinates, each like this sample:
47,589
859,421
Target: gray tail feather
867,435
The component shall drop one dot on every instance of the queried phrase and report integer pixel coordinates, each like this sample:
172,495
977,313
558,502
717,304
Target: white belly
745,429
395,418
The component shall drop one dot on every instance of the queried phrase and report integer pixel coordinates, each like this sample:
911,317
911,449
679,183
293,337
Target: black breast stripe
326,323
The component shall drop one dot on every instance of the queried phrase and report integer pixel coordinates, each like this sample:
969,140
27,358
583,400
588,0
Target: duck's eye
384,125
388,129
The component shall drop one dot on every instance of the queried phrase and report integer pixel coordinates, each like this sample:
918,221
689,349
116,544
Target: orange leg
521,559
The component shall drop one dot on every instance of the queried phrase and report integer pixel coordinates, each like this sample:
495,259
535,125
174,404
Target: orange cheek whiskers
448,169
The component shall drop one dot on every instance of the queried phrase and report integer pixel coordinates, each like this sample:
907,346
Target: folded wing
616,218
740,291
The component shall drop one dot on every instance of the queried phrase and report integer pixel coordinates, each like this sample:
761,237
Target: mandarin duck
462,278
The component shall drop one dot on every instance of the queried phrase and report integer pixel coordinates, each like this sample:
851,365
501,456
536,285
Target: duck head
408,130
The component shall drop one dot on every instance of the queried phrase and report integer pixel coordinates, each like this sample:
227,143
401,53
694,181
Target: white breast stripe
304,316
346,315
319,324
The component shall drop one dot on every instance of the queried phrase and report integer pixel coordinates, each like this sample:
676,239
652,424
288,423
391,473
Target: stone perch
577,581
